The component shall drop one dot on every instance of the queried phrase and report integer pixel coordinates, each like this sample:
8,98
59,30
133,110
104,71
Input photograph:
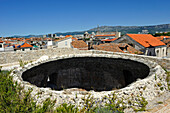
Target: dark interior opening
128,77
89,73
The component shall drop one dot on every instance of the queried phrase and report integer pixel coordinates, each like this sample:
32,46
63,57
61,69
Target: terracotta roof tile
104,35
117,47
74,39
26,45
167,41
162,37
68,36
146,40
79,44
109,39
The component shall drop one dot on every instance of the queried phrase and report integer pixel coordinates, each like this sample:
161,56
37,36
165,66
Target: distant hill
123,29
134,29
28,36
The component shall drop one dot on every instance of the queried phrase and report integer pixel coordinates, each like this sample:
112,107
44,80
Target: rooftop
162,37
146,40
26,45
79,44
105,35
109,39
117,47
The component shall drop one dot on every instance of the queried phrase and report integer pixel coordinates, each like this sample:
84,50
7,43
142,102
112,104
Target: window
157,52
65,43
0,46
164,53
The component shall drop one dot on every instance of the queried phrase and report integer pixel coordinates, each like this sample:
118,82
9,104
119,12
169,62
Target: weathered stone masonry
14,57
147,87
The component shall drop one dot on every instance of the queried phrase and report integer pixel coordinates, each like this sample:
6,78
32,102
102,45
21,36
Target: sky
38,17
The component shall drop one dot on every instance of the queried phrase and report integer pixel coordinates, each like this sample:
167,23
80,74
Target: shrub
168,79
159,84
142,104
159,102
13,101
65,108
103,110
22,63
161,88
115,104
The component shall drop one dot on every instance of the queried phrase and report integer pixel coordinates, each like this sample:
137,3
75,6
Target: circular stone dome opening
89,73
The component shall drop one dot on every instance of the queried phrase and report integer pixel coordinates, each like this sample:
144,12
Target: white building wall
9,48
160,51
168,52
164,49
2,47
64,43
49,43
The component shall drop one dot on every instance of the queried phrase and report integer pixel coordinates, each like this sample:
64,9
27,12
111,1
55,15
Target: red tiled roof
105,35
27,39
162,37
68,36
47,38
26,45
109,39
79,44
116,47
8,42
146,40
167,41
13,38
74,39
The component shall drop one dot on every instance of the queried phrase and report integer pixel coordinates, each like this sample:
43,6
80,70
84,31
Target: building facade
146,43
64,43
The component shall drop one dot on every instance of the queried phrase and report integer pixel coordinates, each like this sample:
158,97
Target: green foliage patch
13,101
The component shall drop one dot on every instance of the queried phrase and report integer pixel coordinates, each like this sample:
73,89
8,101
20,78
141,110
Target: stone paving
160,104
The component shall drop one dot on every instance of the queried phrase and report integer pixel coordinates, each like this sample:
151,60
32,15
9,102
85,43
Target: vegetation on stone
14,99
10,98
168,79
22,63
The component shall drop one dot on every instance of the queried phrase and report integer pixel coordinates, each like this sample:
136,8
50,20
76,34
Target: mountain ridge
123,29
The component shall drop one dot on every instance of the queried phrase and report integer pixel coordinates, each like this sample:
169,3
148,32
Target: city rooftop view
84,56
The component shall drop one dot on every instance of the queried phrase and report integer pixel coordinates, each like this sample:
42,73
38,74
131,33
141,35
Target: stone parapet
151,86
14,57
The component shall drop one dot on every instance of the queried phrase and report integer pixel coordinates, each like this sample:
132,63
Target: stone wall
14,57
148,87
151,86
